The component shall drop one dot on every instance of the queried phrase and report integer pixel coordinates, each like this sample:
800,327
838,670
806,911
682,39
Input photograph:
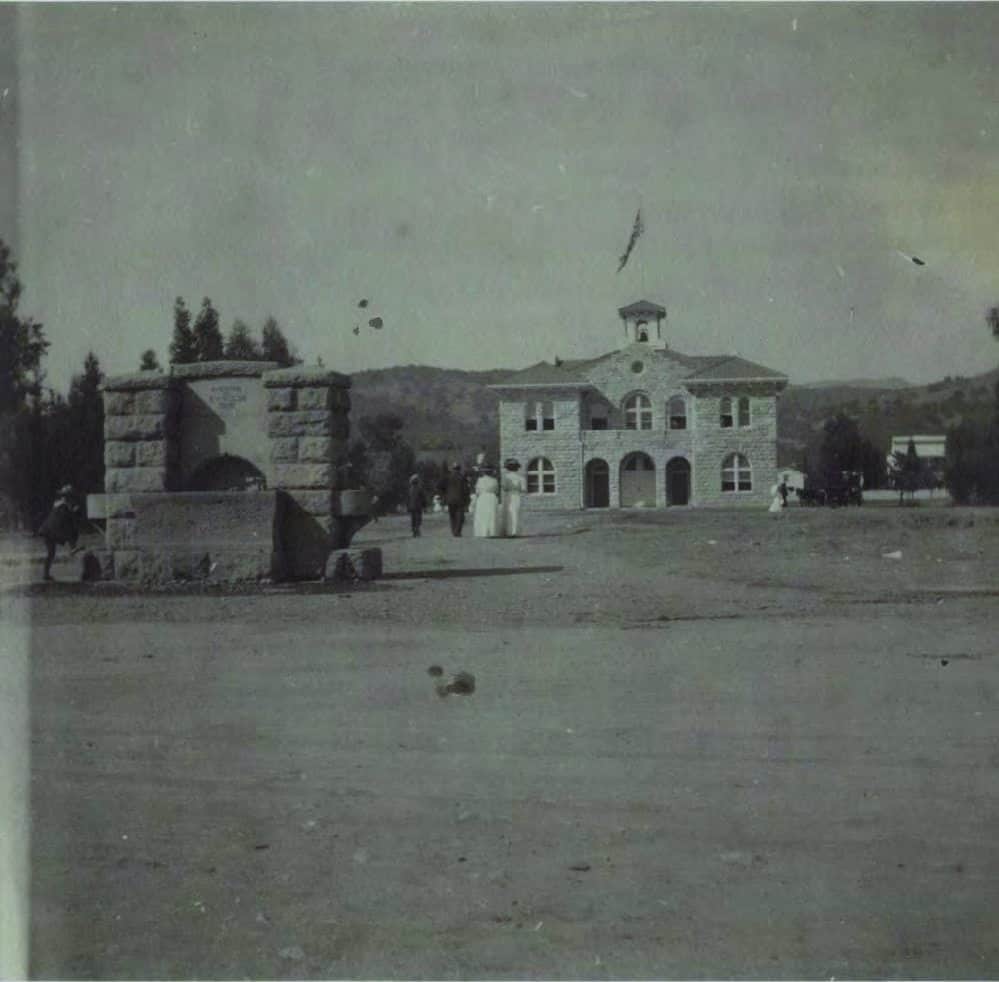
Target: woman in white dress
486,505
778,501
513,486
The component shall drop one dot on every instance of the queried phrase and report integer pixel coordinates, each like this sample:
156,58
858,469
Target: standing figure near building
454,490
487,515
513,486
415,503
61,527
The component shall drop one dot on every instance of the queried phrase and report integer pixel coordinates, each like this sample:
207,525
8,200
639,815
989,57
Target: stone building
643,426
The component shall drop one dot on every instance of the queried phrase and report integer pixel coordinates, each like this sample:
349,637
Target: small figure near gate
61,526
416,502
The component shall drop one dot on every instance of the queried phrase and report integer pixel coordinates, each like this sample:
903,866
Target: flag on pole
637,229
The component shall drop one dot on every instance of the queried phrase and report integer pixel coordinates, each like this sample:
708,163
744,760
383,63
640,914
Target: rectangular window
531,423
548,483
678,422
548,423
728,484
726,420
745,482
744,412
598,423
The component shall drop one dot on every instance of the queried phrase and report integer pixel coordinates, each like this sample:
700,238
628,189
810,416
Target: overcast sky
474,170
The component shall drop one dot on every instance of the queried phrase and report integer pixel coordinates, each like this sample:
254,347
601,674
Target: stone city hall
643,426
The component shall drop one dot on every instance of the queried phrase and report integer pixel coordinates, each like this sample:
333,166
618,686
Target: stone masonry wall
756,442
140,444
308,427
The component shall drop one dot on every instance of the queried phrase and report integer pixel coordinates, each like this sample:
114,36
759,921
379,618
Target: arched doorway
678,481
597,484
638,481
226,472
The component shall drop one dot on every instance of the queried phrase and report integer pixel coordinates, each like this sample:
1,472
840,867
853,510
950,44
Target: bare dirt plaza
701,744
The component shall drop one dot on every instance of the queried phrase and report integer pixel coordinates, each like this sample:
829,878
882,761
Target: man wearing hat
60,527
454,489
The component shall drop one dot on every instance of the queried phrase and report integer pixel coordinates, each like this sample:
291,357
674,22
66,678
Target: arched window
539,416
540,476
744,410
725,413
736,474
637,412
677,412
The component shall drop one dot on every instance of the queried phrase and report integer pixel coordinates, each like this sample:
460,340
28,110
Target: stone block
305,378
136,427
303,475
284,449
157,401
118,453
299,424
313,502
135,479
348,565
140,381
153,453
314,397
121,533
222,369
119,403
281,400
315,448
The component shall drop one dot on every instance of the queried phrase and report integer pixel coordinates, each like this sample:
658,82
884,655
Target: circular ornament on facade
638,367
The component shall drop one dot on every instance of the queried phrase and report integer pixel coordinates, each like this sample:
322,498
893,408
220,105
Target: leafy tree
22,341
149,363
841,446
84,457
208,344
383,431
962,461
182,347
274,346
240,345
909,472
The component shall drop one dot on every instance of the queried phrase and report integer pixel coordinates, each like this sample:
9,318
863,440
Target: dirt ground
701,744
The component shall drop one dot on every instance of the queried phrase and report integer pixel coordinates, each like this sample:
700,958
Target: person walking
61,526
513,486
416,503
454,490
486,524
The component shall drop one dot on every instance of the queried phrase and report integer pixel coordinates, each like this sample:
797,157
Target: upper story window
598,413
736,474
677,413
540,476
540,416
638,412
725,413
744,411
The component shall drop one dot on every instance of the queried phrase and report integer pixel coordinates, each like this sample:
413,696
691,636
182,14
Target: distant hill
861,383
447,409
881,411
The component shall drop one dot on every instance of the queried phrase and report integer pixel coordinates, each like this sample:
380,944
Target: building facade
643,426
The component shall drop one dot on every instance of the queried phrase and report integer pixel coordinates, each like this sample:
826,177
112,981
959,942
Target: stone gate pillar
308,427
141,415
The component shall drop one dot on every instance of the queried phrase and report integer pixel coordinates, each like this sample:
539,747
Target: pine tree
182,349
207,334
239,345
149,363
22,341
274,345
